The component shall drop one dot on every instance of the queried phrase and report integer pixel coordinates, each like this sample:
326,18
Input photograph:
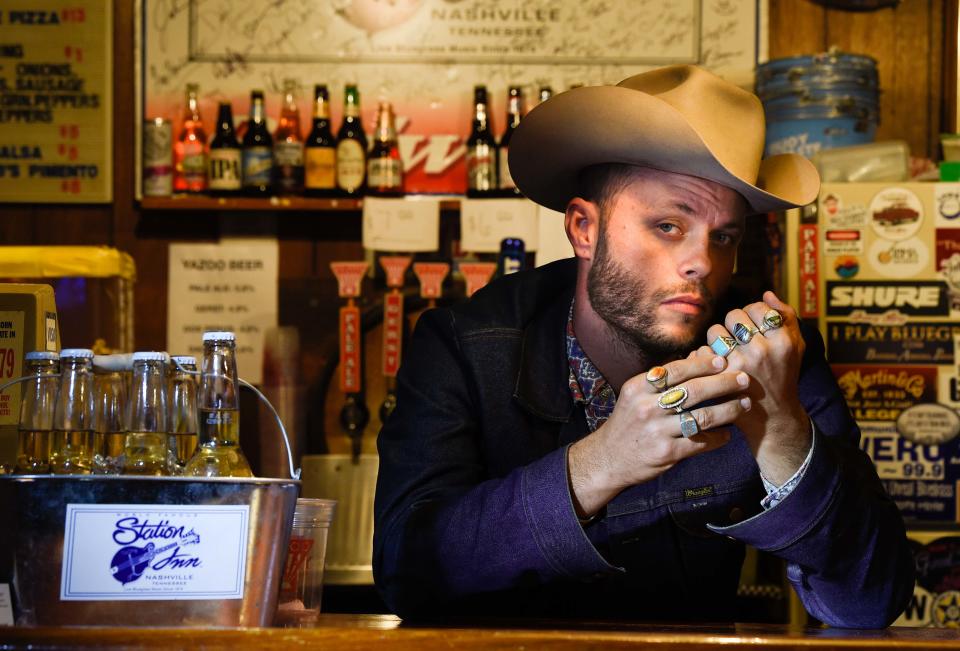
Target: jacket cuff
793,517
548,507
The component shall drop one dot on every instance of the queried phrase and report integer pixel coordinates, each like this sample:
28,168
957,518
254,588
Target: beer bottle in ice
36,412
351,146
145,452
109,422
481,150
72,450
225,155
182,423
384,169
288,144
514,112
190,150
257,150
320,152
218,453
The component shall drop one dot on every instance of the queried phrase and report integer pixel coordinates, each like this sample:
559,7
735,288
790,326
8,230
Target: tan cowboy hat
678,119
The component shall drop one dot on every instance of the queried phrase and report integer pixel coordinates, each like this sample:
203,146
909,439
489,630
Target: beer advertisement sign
56,83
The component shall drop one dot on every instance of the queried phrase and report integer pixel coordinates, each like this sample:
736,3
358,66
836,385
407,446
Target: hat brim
611,124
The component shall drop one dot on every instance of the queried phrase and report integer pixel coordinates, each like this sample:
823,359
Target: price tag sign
484,222
401,224
56,81
11,366
136,552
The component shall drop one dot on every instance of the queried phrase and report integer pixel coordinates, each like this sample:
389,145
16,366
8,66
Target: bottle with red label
190,150
384,169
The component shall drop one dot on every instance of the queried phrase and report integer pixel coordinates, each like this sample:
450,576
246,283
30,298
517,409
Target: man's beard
626,304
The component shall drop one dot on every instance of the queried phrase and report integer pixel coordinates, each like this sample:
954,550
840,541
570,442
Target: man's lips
688,304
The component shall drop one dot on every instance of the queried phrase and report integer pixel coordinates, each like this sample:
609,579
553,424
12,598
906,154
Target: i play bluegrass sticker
153,552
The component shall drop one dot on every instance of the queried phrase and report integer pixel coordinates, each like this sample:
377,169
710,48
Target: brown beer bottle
384,168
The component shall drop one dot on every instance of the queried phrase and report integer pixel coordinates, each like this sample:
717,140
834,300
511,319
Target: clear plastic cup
302,587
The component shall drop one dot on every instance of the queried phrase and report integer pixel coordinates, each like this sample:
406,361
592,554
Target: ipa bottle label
225,169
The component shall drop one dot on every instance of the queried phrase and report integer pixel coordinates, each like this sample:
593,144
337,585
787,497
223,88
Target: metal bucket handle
124,362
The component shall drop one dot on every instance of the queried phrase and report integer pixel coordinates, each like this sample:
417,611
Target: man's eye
666,227
724,238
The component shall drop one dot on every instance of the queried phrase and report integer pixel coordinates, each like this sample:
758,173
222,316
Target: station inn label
56,79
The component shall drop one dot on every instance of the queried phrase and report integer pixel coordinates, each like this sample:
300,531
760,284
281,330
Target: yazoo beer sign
117,552
915,298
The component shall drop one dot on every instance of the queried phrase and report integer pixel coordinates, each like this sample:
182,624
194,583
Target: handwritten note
408,225
484,222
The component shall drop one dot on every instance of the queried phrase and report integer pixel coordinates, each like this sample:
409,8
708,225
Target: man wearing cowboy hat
567,443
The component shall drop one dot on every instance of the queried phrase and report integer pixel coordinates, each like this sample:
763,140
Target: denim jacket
473,512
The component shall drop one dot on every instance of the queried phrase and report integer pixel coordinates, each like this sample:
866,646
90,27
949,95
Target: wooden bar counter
360,632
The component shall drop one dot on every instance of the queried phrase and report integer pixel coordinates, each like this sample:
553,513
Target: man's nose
695,262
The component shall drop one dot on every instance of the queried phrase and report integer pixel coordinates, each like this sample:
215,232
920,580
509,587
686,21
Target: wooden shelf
265,204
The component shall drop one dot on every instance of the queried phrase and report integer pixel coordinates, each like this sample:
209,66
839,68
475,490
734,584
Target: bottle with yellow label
351,147
320,152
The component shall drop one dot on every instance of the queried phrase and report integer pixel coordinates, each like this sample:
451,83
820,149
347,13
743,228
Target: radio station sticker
921,479
916,298
910,343
129,552
906,259
843,242
946,197
896,213
883,392
837,216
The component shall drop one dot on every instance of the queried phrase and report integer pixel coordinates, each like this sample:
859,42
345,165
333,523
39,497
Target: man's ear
582,223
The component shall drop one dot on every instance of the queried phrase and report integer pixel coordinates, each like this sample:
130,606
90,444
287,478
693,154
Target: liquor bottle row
253,162
157,419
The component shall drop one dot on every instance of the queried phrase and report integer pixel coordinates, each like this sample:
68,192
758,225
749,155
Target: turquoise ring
723,345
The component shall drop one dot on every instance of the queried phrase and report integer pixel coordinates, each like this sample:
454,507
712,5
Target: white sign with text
484,222
408,225
151,552
227,286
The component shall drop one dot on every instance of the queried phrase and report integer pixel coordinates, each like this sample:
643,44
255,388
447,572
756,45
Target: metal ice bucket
34,512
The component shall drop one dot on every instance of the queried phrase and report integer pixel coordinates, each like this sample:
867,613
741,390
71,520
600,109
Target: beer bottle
384,169
320,153
351,146
224,159
257,150
190,150
145,452
182,422
514,113
481,150
72,450
288,144
218,453
36,412
109,422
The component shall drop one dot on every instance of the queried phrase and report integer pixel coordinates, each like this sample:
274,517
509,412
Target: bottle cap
184,360
148,356
219,335
35,355
78,353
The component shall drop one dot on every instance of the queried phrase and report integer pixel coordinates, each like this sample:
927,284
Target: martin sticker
904,259
910,343
896,214
118,552
883,392
946,196
920,298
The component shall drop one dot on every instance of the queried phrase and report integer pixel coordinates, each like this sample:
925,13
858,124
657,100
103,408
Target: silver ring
744,333
723,345
688,425
673,399
657,377
771,321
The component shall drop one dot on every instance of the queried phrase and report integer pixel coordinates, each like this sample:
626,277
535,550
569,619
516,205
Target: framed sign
56,87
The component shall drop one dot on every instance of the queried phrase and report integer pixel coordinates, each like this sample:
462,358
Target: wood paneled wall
911,43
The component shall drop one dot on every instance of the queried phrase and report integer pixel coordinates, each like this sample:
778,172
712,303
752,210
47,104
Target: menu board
890,314
55,101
